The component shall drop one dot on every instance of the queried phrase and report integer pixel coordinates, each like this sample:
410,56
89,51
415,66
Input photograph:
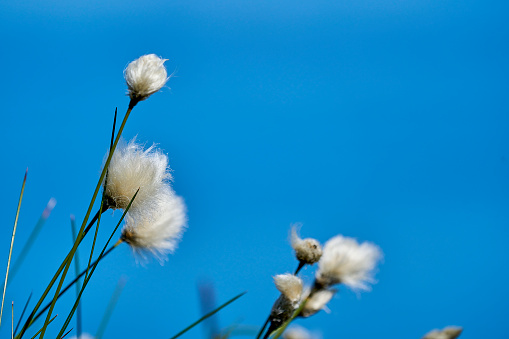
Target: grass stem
12,243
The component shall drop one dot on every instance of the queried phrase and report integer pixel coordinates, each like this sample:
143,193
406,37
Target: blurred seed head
450,332
345,261
316,302
306,250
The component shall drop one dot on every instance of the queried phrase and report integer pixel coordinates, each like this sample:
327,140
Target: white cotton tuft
145,76
317,302
346,261
307,251
131,168
157,229
298,332
83,336
450,332
289,285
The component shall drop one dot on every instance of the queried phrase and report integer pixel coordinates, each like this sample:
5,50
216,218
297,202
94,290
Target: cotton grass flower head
132,167
346,261
291,288
145,76
450,332
316,302
289,285
308,251
157,229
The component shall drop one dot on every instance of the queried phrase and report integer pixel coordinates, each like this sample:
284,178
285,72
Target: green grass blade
77,269
73,282
110,308
81,231
85,282
277,333
207,315
95,238
31,319
12,242
113,129
35,335
23,313
31,239
62,337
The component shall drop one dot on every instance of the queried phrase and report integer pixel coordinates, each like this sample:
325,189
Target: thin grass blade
111,307
62,337
81,232
77,269
73,282
85,282
31,319
31,238
36,334
23,313
208,315
277,333
12,243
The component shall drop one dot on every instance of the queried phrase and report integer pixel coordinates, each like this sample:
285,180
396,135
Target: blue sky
384,121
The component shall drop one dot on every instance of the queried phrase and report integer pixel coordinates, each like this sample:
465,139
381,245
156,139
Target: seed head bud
307,251
145,76
450,332
290,287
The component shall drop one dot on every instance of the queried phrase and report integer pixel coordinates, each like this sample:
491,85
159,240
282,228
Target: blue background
381,120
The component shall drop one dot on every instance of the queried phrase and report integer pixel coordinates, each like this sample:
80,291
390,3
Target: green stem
74,281
207,315
283,327
12,242
109,309
81,232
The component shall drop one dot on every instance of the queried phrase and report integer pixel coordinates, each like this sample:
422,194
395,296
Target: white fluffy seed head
145,76
298,332
450,332
131,168
316,302
289,285
346,261
307,250
157,229
83,336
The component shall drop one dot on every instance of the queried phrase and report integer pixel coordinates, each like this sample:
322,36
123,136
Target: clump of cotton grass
345,261
316,302
308,251
450,332
132,167
298,332
145,76
156,229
